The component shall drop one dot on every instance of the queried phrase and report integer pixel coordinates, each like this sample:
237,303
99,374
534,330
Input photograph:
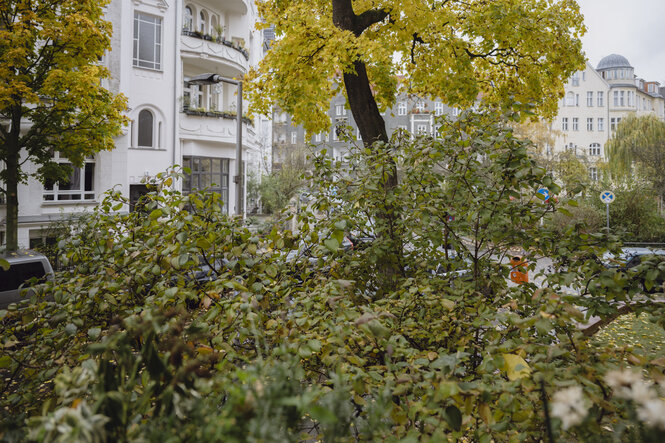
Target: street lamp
211,79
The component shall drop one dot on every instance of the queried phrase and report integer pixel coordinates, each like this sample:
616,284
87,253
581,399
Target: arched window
188,21
146,129
214,27
203,22
570,99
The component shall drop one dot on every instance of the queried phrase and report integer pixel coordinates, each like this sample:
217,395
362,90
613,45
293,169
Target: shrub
297,338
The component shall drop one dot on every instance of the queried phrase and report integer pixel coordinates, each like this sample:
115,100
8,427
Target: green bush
634,214
125,346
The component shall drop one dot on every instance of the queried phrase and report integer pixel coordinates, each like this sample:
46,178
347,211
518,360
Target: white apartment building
157,46
595,101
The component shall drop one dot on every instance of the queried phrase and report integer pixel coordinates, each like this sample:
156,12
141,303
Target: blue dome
613,61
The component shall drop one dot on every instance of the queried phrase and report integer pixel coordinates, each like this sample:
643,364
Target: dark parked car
25,269
653,260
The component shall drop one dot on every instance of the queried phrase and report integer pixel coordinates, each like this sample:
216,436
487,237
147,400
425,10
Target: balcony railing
219,39
202,112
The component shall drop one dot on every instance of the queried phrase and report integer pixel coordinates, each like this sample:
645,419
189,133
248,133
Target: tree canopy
453,50
639,141
51,96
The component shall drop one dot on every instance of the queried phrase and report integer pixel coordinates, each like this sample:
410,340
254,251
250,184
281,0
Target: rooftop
613,61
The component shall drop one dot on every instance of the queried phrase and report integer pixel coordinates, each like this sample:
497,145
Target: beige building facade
595,101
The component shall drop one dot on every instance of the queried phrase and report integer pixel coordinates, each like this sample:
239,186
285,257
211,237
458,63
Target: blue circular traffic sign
545,193
607,197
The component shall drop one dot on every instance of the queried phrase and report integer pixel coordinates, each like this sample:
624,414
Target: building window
600,98
147,41
593,174
137,197
188,20
203,22
340,110
577,99
594,149
438,108
589,124
215,96
146,129
630,98
294,137
207,173
589,98
42,238
576,79
621,98
401,108
576,126
317,138
420,106
421,129
80,185
564,124
616,98
570,99
601,124
614,121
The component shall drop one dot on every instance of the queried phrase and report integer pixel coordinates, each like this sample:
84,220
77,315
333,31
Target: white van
23,266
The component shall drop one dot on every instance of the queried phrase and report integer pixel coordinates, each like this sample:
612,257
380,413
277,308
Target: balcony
215,126
233,6
220,40
207,49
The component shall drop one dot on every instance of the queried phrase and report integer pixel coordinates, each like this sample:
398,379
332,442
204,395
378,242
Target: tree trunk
361,100
11,187
12,163
372,129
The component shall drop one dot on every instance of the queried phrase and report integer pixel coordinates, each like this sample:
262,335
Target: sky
632,28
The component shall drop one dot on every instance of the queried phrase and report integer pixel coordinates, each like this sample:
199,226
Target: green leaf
71,329
4,264
331,244
453,416
155,214
5,361
94,333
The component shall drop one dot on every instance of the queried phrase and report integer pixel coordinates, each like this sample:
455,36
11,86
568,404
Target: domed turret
613,61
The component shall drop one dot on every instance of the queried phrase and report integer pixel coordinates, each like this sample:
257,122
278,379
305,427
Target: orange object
518,272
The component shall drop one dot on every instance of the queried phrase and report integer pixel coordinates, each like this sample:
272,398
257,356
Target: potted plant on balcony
219,31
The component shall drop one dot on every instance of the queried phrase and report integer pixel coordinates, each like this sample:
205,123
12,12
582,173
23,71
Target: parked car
26,268
644,268
652,260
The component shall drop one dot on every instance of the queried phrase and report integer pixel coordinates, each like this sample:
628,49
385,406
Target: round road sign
545,193
607,197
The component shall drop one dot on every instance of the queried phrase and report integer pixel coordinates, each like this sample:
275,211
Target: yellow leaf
485,413
515,367
432,355
203,349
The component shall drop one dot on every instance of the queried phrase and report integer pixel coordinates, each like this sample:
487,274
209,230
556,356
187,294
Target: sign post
607,197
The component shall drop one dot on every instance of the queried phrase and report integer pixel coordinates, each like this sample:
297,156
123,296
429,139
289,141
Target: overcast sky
634,29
